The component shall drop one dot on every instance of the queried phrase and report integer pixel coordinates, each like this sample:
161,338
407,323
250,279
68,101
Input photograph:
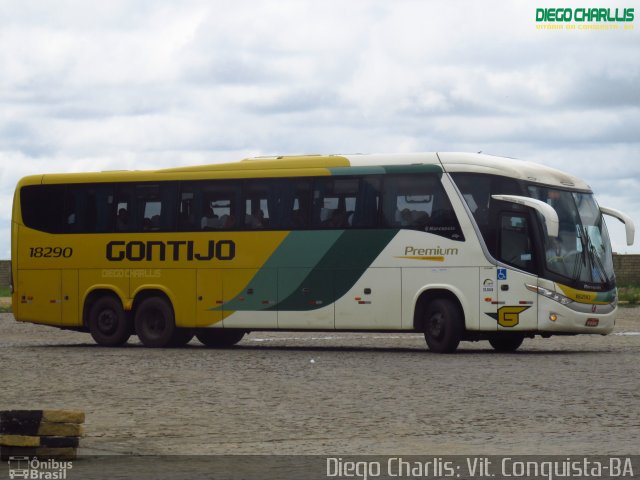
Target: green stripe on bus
421,168
313,268
299,250
357,170
338,270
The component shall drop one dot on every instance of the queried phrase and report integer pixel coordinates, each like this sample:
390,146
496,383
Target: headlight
545,292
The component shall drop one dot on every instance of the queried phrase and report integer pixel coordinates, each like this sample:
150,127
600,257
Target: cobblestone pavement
332,393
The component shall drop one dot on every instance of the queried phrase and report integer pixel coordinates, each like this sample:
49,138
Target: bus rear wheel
443,325
155,323
219,338
108,323
506,342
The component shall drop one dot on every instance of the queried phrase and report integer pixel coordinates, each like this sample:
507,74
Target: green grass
630,294
4,292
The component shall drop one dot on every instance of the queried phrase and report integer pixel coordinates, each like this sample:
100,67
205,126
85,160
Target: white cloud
161,83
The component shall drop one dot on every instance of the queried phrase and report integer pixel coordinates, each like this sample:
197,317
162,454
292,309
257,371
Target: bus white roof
477,163
450,162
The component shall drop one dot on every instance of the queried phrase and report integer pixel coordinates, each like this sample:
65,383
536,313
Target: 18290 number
50,252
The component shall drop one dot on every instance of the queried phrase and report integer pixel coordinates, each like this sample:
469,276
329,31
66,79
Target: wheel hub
107,321
436,325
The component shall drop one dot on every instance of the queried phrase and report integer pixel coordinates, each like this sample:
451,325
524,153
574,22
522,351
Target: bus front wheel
155,323
443,326
220,338
507,342
108,323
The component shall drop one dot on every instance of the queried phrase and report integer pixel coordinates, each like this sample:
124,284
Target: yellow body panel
583,296
53,290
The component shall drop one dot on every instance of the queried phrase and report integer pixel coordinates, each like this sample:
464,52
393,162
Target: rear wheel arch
142,295
154,319
426,297
105,318
440,316
92,296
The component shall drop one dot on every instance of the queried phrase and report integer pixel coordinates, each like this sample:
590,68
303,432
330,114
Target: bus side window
220,206
260,199
334,202
209,205
368,203
87,208
43,207
408,202
155,206
294,203
419,202
123,208
186,213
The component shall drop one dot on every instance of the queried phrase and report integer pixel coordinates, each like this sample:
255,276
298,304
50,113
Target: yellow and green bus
461,247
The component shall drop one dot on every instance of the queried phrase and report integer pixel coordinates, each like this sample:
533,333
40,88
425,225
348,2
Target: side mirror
629,227
547,211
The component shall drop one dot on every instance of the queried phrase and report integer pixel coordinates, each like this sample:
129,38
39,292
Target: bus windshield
582,250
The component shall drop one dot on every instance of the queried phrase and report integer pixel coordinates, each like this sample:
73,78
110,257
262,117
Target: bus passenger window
42,207
208,205
209,219
149,207
334,202
260,198
87,208
122,221
408,202
294,200
186,214
366,214
419,202
123,206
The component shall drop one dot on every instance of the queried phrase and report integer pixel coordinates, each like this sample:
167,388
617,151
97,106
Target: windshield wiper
595,260
577,267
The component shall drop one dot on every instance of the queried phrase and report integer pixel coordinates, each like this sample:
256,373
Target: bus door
517,307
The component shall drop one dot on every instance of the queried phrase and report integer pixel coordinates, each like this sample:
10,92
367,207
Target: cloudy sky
152,84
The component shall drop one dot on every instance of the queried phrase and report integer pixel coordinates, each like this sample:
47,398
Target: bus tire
181,337
506,342
155,322
443,325
108,323
219,338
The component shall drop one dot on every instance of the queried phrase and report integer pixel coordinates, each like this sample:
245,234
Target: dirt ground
331,393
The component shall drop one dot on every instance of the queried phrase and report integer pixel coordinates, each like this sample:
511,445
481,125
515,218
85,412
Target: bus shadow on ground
328,348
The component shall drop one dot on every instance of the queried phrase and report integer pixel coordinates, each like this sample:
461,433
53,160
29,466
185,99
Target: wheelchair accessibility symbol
502,274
